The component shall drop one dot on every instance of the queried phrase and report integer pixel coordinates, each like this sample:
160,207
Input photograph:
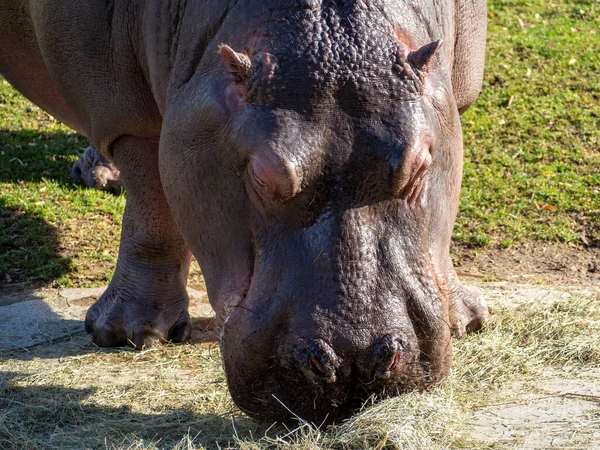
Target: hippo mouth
283,365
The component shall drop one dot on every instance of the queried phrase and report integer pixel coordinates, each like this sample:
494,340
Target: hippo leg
97,172
146,300
469,308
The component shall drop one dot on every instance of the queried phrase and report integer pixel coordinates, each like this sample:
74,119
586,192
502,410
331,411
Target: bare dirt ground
533,262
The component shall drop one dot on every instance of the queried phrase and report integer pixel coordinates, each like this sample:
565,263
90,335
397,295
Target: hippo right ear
238,65
421,59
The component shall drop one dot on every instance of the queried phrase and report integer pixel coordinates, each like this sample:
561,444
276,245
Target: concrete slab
41,316
554,421
33,322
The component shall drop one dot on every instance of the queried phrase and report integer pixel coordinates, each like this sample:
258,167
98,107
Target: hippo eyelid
258,180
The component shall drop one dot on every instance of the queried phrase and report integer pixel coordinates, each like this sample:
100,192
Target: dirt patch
532,262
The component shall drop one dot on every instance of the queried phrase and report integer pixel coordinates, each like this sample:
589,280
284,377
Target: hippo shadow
28,155
29,244
57,417
29,250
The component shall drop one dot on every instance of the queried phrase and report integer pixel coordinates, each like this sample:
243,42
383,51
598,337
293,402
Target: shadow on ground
29,250
75,345
29,246
51,417
28,155
79,343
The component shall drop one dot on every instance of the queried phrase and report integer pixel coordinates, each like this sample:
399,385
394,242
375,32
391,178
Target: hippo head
313,164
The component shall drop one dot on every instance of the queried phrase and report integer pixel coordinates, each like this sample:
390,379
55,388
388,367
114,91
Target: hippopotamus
96,171
308,153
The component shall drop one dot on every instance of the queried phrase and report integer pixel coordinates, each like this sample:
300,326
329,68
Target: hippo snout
318,362
323,378
320,368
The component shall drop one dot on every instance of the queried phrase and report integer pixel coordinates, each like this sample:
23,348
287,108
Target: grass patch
53,230
532,140
73,395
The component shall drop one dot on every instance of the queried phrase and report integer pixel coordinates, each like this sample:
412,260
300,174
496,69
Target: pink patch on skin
404,39
430,87
234,97
394,362
273,175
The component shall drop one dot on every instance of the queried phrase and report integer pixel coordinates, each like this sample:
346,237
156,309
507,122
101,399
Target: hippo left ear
421,59
237,64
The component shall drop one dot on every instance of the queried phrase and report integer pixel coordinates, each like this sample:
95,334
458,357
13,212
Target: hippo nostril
394,362
387,356
316,367
317,360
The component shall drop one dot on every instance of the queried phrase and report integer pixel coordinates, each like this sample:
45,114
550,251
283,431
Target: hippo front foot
470,311
118,319
97,172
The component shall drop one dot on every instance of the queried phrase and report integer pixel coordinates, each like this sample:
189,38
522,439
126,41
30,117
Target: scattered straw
73,395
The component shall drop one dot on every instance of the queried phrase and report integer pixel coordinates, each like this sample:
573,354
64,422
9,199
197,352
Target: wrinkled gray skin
312,165
96,171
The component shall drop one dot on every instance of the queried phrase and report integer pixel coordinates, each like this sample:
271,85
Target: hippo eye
271,177
260,182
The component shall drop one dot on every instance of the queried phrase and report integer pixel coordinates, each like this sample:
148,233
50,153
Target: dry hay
74,395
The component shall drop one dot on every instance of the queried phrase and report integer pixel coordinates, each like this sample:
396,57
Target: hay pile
74,395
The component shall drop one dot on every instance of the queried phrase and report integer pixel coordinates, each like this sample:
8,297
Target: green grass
52,229
532,166
532,163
